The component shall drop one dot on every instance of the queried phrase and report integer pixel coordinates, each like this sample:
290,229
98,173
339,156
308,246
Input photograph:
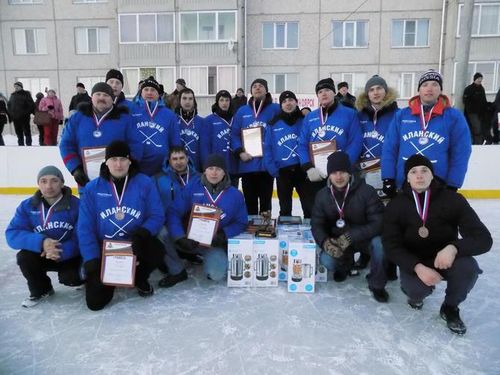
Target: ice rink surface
203,327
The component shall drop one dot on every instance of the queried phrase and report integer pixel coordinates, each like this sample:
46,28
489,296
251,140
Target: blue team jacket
219,140
194,139
27,230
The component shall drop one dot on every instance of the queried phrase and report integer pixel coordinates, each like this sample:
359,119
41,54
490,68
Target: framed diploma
252,140
118,264
319,153
92,158
203,224
370,170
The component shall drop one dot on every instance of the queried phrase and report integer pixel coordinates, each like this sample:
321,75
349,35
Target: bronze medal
119,215
423,232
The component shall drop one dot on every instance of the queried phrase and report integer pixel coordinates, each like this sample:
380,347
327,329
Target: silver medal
97,133
340,223
423,140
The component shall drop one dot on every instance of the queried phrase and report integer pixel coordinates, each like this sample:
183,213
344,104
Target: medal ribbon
103,117
255,111
424,124
118,200
322,119
184,183
46,216
340,209
155,109
423,212
375,118
188,124
219,196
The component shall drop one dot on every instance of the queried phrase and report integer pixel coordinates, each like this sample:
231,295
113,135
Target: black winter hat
215,160
338,161
326,83
431,75
342,84
79,84
477,75
117,149
102,87
262,81
222,94
151,82
181,81
286,95
417,160
113,73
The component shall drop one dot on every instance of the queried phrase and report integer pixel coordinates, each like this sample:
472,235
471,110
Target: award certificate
92,158
203,224
118,264
319,153
252,140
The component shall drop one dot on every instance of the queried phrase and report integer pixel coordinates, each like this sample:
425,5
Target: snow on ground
203,327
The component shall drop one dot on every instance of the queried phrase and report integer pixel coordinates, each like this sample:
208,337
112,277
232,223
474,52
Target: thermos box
301,267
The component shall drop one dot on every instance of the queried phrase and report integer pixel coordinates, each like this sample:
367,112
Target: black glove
51,107
452,188
80,177
389,187
140,238
186,244
220,239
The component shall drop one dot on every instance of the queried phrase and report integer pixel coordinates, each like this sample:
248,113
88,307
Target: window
92,40
490,71
89,2
146,28
29,41
34,85
410,33
356,81
208,26
208,80
132,76
279,82
277,35
16,2
485,21
89,82
407,84
350,34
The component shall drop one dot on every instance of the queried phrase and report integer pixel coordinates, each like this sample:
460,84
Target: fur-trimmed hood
362,101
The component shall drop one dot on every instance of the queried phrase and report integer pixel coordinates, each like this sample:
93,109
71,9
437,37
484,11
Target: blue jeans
214,259
377,277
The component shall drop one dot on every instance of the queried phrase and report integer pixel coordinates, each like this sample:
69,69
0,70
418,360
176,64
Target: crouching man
121,204
347,217
214,189
44,229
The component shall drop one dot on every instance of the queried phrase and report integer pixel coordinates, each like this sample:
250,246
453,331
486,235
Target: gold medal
423,232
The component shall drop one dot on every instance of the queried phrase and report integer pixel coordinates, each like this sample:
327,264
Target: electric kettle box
265,262
240,260
284,239
301,267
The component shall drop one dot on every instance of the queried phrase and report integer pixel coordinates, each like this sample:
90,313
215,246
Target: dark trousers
295,177
34,268
2,143
98,295
22,128
40,135
460,278
257,189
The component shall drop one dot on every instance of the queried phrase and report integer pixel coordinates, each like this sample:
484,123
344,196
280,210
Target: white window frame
138,69
28,84
355,29
271,79
89,1
475,33
216,40
496,75
98,28
37,41
414,81
427,45
25,2
275,24
206,67
137,27
356,82
89,81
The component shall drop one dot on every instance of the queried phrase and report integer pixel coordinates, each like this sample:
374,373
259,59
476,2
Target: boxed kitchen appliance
301,266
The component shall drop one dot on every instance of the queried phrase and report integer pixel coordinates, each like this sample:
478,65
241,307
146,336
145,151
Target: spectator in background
495,120
343,96
81,97
173,99
476,109
53,106
21,106
39,96
4,116
239,99
114,78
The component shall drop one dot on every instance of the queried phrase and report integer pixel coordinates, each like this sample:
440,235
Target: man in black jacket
344,96
476,109
21,106
347,216
81,97
421,227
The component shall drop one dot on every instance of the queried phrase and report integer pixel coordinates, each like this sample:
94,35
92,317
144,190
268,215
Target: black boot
391,271
380,295
452,316
170,280
339,276
144,288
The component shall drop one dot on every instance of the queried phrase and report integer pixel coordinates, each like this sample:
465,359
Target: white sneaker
33,301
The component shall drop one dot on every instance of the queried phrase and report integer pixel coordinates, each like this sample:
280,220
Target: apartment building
225,44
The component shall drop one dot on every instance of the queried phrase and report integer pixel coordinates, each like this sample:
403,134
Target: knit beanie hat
20,84
477,75
102,87
338,161
215,160
342,84
417,160
222,94
375,81
262,81
326,83
431,75
79,84
113,73
151,82
50,170
286,95
181,81
117,149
